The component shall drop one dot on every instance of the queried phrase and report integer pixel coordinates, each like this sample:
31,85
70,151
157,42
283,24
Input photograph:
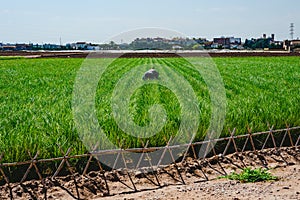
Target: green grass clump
249,175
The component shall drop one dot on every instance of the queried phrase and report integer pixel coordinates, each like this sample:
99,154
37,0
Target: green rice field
36,101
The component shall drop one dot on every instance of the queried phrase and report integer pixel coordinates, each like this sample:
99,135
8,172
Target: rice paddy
36,101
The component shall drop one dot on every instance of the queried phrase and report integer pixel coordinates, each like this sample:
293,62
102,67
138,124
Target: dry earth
285,165
117,54
288,187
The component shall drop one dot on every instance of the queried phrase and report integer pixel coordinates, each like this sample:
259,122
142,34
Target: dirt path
288,187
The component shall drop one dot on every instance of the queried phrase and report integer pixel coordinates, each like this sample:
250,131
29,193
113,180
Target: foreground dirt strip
288,187
200,177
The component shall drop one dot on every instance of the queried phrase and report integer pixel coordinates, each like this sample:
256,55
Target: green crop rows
36,101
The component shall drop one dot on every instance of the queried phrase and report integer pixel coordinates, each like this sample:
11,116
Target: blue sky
97,21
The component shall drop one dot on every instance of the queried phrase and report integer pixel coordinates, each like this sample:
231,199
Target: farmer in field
150,74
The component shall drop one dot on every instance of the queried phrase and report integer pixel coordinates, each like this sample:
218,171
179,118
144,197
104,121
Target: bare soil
76,54
198,179
288,187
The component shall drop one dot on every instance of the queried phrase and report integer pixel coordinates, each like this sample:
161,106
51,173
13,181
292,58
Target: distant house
216,45
80,45
70,46
37,47
221,42
51,47
83,46
24,47
226,42
92,47
291,45
235,41
177,47
158,39
8,48
20,47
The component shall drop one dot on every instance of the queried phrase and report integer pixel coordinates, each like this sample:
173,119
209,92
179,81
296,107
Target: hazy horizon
97,22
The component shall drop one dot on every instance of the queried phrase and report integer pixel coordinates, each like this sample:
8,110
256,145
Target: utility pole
292,31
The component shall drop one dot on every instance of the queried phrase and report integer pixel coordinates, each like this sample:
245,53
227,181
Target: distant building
177,47
221,42
8,48
77,46
291,45
80,45
226,42
24,47
158,39
20,47
235,41
51,47
37,47
92,47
